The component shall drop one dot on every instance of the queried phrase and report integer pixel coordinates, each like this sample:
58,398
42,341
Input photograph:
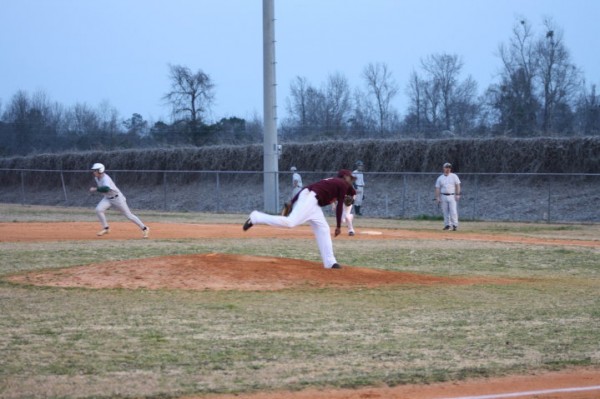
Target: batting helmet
98,167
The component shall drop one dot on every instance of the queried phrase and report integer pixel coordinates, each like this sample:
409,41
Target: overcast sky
91,51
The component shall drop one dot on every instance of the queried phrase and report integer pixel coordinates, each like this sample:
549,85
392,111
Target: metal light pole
270,147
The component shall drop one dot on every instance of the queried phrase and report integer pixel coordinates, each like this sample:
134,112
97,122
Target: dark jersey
329,191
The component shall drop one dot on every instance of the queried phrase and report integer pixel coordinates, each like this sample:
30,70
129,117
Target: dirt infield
242,272
37,231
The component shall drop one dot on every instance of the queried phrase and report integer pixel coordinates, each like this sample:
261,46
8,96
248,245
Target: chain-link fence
485,196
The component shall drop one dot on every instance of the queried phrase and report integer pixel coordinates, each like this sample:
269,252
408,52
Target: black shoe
453,228
248,224
351,233
336,266
446,228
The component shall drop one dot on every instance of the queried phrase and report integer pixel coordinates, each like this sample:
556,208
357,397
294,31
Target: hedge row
500,155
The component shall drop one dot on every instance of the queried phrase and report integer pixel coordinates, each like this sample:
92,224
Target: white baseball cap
98,167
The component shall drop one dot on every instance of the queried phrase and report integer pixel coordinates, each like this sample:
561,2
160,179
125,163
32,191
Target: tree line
539,92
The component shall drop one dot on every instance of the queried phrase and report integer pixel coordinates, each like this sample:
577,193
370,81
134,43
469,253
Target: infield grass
85,343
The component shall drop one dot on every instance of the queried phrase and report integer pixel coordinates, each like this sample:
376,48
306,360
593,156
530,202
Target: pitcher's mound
217,271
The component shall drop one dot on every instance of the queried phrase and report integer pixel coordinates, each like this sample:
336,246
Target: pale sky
92,51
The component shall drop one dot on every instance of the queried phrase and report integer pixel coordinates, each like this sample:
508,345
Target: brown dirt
493,388
234,272
38,231
226,272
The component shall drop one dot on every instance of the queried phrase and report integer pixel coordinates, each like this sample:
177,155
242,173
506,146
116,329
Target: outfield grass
85,343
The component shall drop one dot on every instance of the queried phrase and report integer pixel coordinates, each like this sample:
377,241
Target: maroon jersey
331,190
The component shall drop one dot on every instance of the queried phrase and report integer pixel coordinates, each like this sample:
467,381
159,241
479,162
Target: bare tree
465,107
191,94
382,88
81,120
108,124
297,105
35,121
433,104
440,101
136,125
314,112
515,95
588,112
337,107
416,108
17,115
560,79
363,121
17,109
443,70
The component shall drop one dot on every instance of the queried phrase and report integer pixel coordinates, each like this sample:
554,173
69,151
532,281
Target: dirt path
571,384
36,231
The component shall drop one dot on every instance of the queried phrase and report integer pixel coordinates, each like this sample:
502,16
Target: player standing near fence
296,181
447,193
306,208
112,197
359,184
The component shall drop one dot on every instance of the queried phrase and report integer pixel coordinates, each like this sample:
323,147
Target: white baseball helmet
98,167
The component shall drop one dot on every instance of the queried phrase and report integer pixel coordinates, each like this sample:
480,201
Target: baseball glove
348,200
287,209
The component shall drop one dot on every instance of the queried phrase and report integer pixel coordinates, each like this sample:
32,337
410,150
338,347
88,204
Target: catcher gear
348,200
287,209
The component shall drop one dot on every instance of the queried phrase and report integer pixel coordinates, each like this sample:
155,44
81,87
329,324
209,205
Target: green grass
70,342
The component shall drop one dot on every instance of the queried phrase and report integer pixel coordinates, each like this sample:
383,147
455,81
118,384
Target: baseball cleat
454,228
102,232
146,232
336,266
248,224
446,228
351,233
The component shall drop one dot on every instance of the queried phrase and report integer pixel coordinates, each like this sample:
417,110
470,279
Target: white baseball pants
306,210
348,217
450,210
358,198
120,203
